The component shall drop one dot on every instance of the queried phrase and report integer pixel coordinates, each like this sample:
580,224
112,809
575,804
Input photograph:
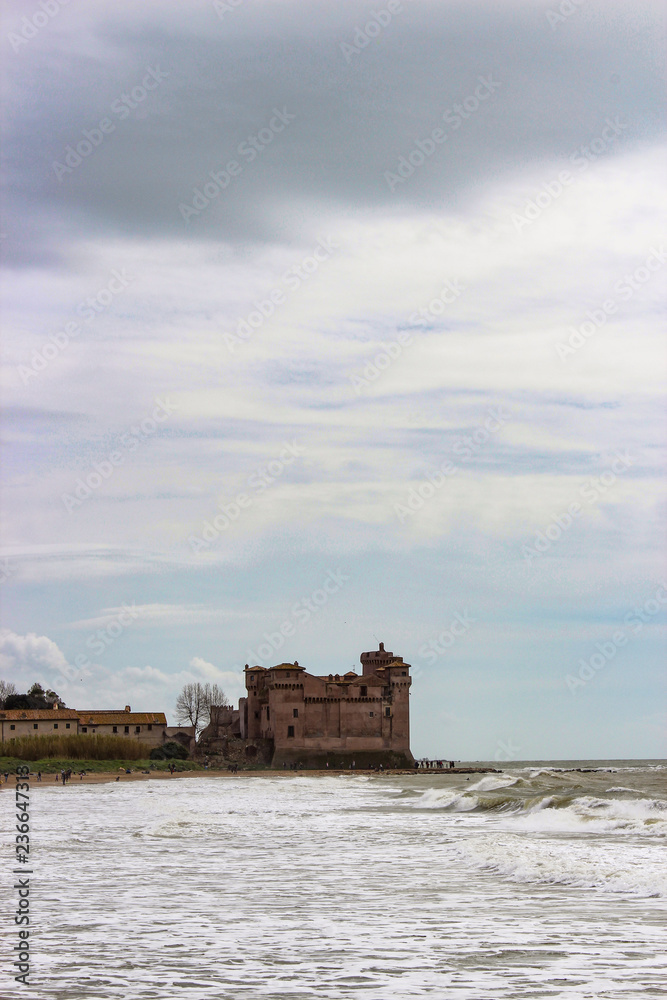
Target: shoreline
105,777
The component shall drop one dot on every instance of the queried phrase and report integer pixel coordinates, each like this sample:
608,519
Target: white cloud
27,658
163,336
159,614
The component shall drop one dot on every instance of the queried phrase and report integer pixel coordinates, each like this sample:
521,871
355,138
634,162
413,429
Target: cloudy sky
329,323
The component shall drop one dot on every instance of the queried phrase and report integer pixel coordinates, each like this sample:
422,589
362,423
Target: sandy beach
100,779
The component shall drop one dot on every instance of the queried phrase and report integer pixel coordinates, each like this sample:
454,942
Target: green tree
36,697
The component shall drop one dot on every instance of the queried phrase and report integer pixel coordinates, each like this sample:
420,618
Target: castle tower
378,658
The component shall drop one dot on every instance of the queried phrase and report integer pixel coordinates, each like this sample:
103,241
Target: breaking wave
552,828
563,811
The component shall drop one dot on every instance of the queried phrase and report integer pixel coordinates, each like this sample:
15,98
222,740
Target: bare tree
6,689
193,705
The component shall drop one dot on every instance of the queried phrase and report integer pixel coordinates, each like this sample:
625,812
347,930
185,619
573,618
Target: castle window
115,729
127,729
387,712
84,729
12,726
35,725
371,714
290,730
55,725
295,713
404,673
150,729
363,691
137,729
67,725
257,715
268,712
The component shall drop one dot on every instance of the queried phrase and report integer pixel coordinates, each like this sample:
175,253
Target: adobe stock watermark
249,150
606,651
625,288
454,117
99,641
128,441
581,159
88,309
392,350
22,885
222,7
458,627
32,24
592,491
506,750
300,613
564,10
257,482
7,569
292,279
364,34
121,107
467,448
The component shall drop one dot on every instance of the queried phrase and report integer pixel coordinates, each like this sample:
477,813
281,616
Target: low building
18,722
148,727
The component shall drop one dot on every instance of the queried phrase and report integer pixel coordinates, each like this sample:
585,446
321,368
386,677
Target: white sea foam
381,888
642,817
555,862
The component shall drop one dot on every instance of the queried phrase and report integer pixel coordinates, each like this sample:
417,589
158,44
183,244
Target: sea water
540,881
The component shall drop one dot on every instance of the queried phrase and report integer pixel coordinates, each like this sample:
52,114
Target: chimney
127,708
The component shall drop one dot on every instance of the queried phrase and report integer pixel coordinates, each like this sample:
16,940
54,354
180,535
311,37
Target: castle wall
320,716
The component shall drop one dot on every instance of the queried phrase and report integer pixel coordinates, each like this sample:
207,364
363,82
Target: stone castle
294,717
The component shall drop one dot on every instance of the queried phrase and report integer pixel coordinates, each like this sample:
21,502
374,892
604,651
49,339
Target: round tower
377,658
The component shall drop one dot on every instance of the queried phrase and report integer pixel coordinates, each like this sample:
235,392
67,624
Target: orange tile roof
121,718
102,711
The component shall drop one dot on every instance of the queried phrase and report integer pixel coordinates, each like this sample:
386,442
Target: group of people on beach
432,765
